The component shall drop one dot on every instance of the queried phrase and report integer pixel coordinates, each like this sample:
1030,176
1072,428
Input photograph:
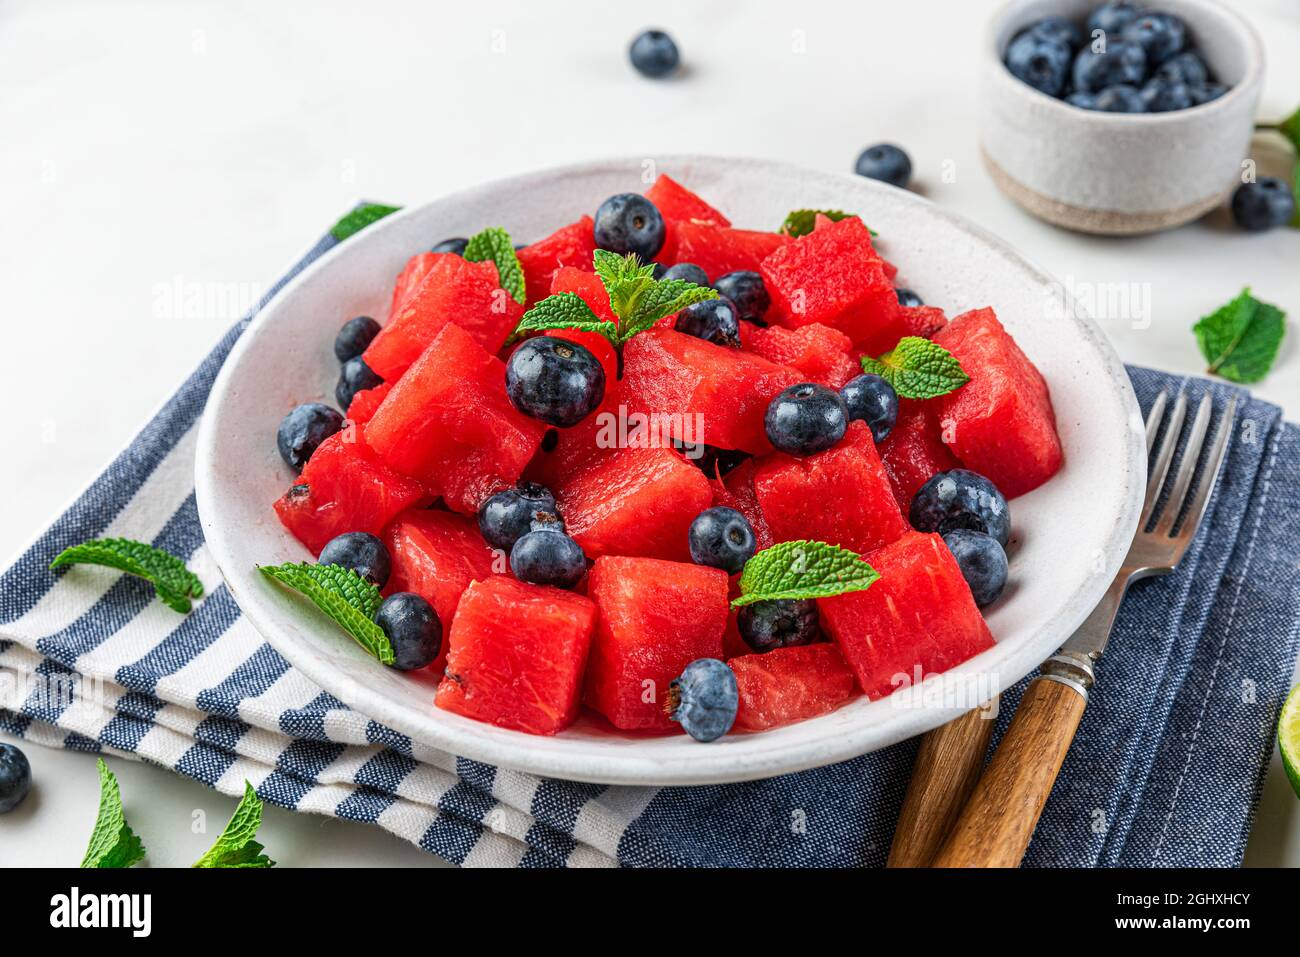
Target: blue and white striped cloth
1166,768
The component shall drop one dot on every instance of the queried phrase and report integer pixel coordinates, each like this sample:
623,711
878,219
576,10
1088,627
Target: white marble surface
163,161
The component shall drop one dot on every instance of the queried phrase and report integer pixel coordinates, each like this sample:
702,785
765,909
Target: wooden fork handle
946,769
997,822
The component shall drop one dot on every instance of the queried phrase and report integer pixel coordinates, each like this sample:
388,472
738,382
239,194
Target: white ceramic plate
1068,538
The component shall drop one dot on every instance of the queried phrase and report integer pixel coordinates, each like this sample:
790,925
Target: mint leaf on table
112,844
565,310
343,596
918,369
359,219
493,245
802,569
237,847
174,583
1240,340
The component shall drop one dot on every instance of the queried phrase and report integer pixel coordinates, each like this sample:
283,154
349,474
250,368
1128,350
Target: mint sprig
802,569
112,843
918,369
237,846
493,245
343,596
1240,340
360,218
801,222
172,581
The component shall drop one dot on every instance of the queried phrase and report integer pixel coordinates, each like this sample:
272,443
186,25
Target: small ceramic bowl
1120,173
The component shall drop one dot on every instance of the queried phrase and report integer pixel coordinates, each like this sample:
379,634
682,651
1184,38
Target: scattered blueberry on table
885,162
654,54
1264,204
15,777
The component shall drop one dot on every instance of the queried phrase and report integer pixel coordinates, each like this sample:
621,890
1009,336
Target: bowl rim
1246,34
916,710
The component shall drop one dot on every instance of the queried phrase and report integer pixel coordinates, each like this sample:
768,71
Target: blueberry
1121,99
303,430
361,552
713,320
781,623
1160,35
747,293
871,399
547,556
1163,96
1263,204
629,223
806,418
1119,63
355,377
983,563
704,699
1208,92
554,381
353,338
1059,29
1110,18
885,162
907,297
654,54
1084,101
688,272
15,777
721,537
507,516
455,245
1186,67
1041,61
413,627
961,498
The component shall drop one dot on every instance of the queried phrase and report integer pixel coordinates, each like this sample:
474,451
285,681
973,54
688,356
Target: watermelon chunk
918,615
677,204
448,422
758,243
451,289
587,286
736,490
571,246
702,388
344,488
913,451
923,321
841,496
634,501
409,279
822,354
714,249
790,684
366,402
517,655
1001,423
656,617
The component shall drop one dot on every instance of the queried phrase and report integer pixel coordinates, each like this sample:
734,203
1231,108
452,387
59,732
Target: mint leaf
359,219
800,222
918,369
342,595
663,298
625,279
802,569
174,583
1295,193
565,310
1290,128
1240,340
112,844
237,847
493,245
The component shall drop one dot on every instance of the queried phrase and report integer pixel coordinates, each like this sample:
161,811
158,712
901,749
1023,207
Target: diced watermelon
790,684
834,276
725,391
656,617
634,501
344,488
677,204
517,655
824,355
409,279
452,290
587,286
913,451
841,496
449,423
1001,423
923,321
571,246
918,615
758,243
366,402
436,554
714,249
736,490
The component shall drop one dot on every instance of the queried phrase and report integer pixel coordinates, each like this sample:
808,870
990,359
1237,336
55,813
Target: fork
994,827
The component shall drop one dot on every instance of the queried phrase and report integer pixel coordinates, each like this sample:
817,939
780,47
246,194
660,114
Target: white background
154,146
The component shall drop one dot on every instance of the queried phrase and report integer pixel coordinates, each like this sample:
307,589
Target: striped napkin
1166,769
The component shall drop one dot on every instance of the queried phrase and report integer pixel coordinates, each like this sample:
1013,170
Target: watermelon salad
675,473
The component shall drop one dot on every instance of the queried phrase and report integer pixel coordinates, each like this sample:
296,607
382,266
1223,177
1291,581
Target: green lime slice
1288,737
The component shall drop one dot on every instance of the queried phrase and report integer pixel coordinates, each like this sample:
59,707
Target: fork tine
1196,511
1160,468
1153,419
1186,467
